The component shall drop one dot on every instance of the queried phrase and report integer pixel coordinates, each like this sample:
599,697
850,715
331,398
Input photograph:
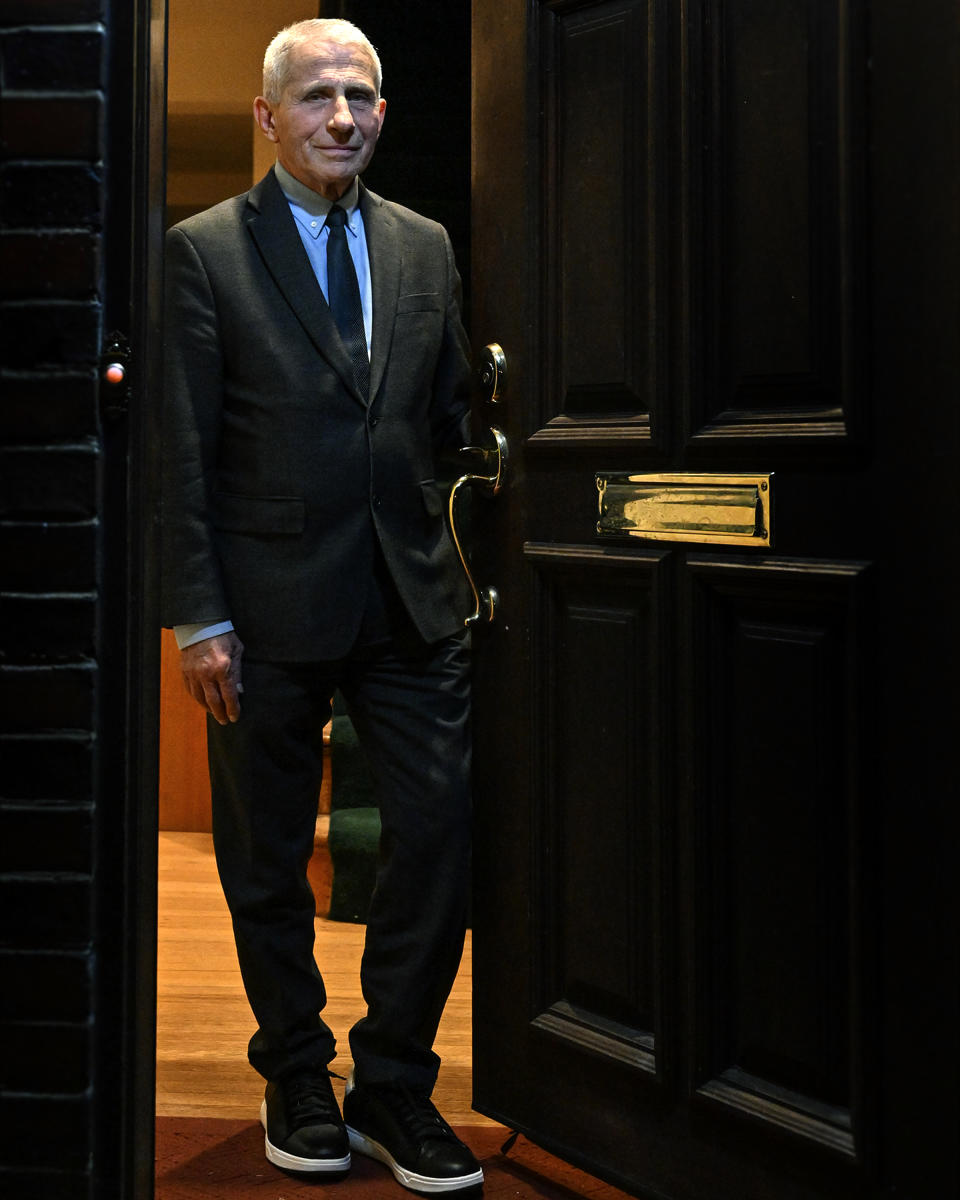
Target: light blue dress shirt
309,210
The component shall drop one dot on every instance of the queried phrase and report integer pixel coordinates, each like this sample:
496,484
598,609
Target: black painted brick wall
52,64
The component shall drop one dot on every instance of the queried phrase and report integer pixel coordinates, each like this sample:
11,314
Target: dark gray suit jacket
278,476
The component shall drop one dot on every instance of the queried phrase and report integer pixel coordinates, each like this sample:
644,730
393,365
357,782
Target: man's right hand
211,674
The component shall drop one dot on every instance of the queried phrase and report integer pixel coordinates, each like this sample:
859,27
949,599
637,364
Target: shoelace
310,1102
419,1116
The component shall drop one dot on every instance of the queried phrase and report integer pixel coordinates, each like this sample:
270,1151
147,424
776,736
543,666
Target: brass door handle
489,466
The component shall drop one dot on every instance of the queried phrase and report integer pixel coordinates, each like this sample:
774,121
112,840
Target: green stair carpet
354,823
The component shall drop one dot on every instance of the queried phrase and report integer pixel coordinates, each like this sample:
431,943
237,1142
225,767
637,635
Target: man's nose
342,118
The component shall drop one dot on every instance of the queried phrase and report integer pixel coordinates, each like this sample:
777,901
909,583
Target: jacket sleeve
192,585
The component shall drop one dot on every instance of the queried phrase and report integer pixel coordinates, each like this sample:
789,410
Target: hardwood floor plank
204,1023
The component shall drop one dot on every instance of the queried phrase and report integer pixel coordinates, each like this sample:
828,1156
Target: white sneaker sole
292,1162
428,1184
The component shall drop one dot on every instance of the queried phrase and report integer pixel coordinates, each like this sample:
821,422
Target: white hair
276,68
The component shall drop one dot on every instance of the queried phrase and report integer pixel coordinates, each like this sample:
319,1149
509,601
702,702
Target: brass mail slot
732,510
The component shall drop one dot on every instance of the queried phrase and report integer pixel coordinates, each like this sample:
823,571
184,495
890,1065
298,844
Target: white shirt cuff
199,631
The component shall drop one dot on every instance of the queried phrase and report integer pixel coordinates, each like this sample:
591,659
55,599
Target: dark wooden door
715,922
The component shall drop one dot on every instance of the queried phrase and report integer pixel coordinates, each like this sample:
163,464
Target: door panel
590,318
691,762
596,628
777,675
775,95
597,186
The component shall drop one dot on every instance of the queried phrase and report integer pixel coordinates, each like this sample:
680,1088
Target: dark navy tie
344,297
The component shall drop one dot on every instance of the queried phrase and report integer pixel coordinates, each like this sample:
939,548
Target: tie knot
336,217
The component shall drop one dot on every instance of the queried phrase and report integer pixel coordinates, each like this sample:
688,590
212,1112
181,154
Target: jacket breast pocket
259,514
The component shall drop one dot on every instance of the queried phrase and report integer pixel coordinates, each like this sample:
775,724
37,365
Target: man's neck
311,201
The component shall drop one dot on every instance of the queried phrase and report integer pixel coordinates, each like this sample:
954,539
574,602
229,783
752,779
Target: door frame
126,917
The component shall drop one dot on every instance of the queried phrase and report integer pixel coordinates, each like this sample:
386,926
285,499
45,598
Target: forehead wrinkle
318,61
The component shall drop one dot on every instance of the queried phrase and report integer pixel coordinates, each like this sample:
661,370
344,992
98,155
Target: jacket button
374,421
376,502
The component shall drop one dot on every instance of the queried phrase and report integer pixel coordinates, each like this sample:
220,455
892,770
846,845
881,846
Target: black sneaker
304,1129
404,1130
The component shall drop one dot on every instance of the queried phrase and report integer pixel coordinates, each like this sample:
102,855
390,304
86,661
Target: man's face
329,117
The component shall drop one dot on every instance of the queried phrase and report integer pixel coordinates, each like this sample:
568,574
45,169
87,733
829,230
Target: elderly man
316,370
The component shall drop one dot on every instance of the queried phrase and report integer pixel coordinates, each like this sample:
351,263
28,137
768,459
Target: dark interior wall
423,157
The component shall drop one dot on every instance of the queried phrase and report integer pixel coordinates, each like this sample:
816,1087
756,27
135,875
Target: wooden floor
204,1023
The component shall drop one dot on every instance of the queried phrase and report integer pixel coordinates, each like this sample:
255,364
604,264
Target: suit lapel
384,252
274,230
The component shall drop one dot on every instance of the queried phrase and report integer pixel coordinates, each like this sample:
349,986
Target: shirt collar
313,207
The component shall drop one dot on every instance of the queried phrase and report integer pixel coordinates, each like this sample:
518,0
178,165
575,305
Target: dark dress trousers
310,516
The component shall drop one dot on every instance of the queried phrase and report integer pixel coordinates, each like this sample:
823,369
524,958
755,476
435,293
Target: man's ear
263,114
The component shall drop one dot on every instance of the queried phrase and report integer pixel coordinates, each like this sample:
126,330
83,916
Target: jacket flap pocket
433,497
419,302
259,514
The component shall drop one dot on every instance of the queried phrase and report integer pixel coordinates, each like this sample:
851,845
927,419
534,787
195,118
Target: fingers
224,703
211,674
215,699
